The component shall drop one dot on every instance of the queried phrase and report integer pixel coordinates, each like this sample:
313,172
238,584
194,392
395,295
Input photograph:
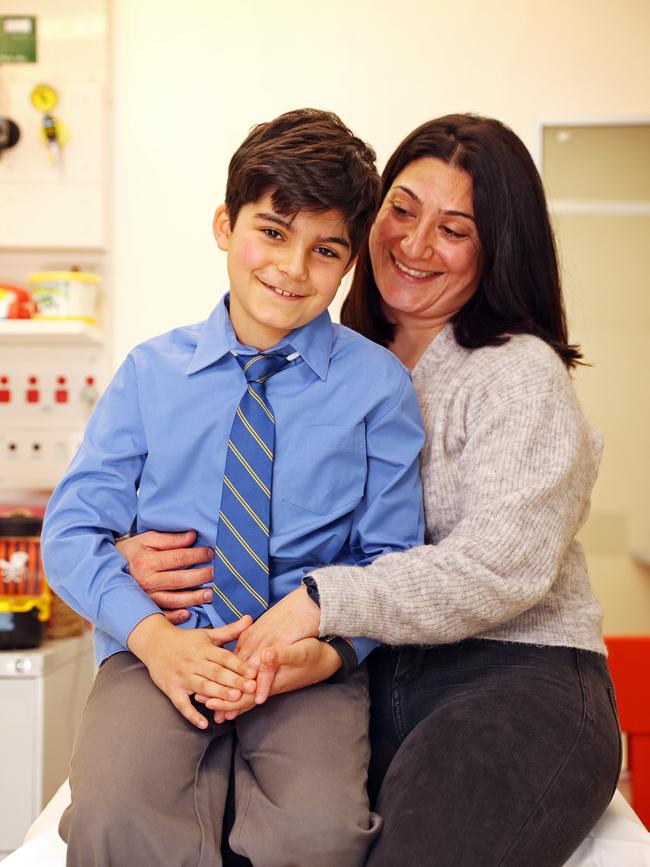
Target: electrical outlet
46,398
34,457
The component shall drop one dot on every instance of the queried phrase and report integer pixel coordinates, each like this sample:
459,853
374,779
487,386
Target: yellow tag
44,97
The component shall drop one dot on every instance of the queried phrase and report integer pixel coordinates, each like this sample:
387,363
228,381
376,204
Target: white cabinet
42,695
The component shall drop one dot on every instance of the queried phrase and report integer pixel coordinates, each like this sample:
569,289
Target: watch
348,657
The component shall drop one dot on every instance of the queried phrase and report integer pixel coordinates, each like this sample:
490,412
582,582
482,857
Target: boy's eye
325,251
272,233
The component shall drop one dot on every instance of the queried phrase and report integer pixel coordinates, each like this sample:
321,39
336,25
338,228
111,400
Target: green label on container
17,39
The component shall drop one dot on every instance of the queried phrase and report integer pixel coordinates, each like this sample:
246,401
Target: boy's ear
221,227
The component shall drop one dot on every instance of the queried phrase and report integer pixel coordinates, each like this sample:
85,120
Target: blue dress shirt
346,485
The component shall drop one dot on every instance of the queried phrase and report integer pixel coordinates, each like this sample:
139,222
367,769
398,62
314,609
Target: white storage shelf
45,332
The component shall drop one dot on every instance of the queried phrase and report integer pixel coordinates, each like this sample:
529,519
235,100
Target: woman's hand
294,667
160,563
293,618
186,661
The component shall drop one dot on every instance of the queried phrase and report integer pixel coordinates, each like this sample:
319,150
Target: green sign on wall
17,39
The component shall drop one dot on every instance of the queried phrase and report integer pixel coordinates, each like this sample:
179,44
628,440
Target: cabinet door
19,721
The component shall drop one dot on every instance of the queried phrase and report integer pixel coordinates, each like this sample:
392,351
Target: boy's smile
284,271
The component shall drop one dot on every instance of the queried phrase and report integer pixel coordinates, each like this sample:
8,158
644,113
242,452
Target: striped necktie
241,566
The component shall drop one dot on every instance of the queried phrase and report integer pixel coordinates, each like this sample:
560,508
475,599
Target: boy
189,430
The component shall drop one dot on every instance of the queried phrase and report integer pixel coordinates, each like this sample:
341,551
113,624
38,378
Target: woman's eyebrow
417,199
409,192
459,214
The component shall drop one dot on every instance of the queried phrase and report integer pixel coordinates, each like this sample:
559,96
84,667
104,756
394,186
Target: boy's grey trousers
148,788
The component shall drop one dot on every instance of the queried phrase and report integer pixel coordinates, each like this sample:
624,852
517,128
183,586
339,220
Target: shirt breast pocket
326,468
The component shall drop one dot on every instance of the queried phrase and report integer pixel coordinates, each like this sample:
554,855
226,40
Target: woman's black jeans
499,753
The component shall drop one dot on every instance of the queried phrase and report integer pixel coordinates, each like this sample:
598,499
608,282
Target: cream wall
598,180
190,79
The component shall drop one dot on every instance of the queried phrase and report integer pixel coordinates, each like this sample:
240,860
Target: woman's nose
418,243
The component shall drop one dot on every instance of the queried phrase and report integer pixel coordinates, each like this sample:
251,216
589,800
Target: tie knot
258,368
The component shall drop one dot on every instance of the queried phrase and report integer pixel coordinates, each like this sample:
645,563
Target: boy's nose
294,264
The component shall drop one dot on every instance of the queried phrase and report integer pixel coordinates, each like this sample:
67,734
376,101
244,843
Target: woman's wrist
343,647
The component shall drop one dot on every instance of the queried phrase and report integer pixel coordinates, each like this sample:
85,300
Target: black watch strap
348,657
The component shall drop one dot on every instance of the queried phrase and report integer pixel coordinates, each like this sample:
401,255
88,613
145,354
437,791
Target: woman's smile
412,272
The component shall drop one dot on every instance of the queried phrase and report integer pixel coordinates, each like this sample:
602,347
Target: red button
32,395
61,395
5,395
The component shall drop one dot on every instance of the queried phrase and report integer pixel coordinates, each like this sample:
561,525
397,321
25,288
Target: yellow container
65,295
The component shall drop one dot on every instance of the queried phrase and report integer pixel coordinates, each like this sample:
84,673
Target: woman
494,732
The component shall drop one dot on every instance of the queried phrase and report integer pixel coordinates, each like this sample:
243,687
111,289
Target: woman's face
424,246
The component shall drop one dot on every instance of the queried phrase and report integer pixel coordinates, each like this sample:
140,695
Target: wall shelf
44,332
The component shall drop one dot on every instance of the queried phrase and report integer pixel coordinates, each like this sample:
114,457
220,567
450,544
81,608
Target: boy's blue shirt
346,484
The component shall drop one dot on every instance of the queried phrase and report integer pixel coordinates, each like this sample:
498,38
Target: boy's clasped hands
270,657
186,662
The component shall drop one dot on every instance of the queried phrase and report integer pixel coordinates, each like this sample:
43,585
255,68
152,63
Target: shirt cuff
122,608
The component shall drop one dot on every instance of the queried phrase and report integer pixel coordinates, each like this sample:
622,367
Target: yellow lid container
65,295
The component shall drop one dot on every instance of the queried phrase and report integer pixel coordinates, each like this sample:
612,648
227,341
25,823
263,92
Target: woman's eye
399,210
325,251
452,233
272,233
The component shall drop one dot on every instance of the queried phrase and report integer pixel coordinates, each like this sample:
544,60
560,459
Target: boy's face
283,271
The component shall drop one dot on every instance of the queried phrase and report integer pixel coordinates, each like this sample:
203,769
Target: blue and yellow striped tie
241,565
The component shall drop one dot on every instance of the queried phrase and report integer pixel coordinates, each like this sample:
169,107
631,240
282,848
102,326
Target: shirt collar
217,338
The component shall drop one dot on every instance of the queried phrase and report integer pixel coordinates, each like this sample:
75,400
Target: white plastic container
65,295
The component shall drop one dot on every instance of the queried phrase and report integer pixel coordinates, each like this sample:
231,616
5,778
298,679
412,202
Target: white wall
191,79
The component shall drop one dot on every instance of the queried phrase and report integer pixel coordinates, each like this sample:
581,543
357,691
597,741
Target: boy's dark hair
310,161
519,291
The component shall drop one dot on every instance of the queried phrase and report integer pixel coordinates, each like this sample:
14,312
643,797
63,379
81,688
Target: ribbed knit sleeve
507,470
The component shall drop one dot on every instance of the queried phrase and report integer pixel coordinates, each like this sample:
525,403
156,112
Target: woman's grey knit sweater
507,469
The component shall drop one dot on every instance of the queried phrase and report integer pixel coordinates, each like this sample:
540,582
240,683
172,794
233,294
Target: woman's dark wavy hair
519,291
